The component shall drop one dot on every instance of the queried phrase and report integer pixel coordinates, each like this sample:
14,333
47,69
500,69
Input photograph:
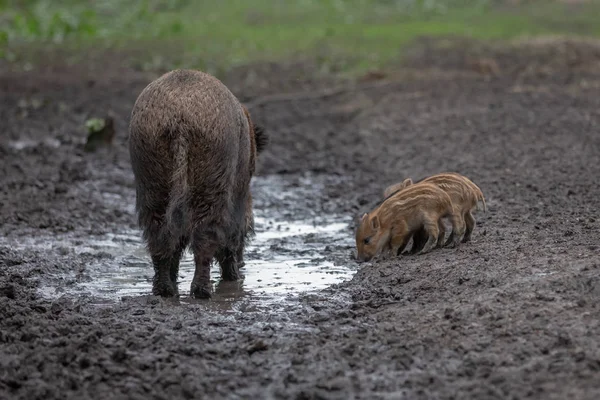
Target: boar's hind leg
174,268
164,257
231,256
228,260
204,247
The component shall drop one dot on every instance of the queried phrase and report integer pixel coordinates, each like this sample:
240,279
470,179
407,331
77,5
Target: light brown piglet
465,196
392,223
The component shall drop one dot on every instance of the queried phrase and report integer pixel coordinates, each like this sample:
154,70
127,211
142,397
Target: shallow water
286,257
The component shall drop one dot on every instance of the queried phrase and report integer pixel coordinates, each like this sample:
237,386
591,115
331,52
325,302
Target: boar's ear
375,222
407,182
261,138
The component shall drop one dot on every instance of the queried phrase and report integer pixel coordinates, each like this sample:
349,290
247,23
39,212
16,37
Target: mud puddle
294,251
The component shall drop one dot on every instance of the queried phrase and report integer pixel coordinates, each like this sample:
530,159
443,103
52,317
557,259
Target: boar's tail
176,214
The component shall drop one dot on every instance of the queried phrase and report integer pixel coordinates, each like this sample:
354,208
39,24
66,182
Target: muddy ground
513,314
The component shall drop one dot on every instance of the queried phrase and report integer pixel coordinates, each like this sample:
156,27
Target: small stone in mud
119,355
103,255
84,363
320,317
13,384
259,345
334,384
64,251
39,308
448,313
60,188
563,341
154,301
8,291
311,238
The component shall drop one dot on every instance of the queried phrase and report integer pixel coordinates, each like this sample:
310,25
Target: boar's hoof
199,291
164,288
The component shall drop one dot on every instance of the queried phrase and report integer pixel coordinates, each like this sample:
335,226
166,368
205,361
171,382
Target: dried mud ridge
513,314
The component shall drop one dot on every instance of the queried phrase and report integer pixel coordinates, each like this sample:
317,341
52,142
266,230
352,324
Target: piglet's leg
442,235
397,239
458,229
419,240
431,226
398,243
470,225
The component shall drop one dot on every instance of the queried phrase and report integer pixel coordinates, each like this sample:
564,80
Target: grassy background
219,34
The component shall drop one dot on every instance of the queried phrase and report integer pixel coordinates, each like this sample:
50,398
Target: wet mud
512,314
285,256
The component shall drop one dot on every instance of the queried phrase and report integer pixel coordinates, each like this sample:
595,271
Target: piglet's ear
375,222
407,182
363,217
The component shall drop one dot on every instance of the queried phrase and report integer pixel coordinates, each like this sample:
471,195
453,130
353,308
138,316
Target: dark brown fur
193,151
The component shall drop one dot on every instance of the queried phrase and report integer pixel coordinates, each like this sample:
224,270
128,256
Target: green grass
223,33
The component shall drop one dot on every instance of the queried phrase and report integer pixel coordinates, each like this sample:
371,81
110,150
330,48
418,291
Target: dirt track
513,314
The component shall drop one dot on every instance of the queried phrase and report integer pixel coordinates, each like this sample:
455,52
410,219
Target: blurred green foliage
230,32
94,124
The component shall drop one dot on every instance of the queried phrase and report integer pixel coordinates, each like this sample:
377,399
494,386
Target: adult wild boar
193,150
